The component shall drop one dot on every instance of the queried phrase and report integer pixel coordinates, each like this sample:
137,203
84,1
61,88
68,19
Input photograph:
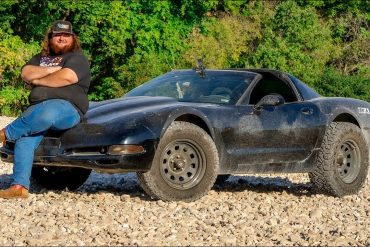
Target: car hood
107,110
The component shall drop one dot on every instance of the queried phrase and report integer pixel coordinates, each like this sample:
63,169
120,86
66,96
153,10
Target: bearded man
60,79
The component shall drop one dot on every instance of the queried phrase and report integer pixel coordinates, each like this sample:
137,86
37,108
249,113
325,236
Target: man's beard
56,50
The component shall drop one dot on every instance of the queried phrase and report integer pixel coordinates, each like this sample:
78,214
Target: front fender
179,112
90,135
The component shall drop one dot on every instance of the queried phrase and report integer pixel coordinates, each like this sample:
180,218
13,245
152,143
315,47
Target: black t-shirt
75,93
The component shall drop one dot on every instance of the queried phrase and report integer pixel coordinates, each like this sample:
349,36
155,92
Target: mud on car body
184,130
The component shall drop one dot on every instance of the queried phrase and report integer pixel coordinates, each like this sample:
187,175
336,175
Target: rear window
306,92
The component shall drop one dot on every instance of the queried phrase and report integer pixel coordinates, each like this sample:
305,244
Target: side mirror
269,100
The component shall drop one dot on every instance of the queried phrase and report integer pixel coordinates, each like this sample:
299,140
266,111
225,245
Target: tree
129,42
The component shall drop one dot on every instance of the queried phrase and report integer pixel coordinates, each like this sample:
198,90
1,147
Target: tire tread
323,177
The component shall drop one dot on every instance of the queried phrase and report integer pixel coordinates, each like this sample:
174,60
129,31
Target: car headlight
125,149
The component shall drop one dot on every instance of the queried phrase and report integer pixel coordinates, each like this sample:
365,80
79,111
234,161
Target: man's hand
59,78
31,72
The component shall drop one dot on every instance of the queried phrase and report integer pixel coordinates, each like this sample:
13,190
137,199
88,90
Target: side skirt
304,166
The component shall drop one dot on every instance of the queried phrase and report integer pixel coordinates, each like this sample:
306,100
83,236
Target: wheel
58,178
185,164
222,178
343,161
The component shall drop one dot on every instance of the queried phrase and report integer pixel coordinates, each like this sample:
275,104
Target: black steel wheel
185,165
182,164
348,160
343,161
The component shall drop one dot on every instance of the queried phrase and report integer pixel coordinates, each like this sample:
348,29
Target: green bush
335,83
107,89
295,40
14,54
13,100
216,41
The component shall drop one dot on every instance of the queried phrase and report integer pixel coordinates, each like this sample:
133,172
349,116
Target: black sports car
183,130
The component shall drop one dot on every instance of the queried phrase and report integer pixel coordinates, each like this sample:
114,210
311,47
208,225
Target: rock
295,238
341,241
315,213
229,241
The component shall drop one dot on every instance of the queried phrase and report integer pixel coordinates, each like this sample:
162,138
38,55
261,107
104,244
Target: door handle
307,111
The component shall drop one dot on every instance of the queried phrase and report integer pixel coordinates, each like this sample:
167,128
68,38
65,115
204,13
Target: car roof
260,70
264,70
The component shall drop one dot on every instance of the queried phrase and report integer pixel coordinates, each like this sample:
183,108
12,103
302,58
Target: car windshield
217,86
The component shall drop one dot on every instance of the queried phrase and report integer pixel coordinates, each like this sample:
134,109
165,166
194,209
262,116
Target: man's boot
2,137
14,191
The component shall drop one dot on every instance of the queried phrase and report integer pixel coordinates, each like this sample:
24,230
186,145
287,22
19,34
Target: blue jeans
28,130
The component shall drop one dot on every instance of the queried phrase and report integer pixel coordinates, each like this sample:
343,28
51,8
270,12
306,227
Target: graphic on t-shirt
50,61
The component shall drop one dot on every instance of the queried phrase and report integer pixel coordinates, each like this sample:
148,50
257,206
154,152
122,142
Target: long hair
45,47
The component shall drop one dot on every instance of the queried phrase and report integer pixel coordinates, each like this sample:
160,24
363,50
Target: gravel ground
261,210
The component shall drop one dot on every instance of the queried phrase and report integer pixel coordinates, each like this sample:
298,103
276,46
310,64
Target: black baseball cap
62,27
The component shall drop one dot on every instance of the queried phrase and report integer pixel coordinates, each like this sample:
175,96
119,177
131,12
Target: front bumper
51,153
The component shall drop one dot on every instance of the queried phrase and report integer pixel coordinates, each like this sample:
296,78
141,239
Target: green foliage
13,100
335,83
32,17
14,53
143,66
5,15
193,11
295,40
129,42
355,56
107,89
336,7
156,44
215,41
350,26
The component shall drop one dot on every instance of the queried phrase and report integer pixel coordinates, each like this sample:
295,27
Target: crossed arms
55,76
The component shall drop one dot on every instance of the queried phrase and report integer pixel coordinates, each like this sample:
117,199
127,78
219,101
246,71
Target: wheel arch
342,116
347,117
192,116
194,119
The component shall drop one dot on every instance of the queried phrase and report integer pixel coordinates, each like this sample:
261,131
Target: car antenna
200,69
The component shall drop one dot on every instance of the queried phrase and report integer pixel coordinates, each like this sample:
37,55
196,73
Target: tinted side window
306,92
270,84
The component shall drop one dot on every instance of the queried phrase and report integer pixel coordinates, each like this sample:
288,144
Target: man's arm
32,72
60,78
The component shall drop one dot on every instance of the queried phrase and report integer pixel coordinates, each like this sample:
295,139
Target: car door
285,133
274,134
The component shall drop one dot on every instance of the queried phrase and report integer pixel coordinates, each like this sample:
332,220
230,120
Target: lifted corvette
183,130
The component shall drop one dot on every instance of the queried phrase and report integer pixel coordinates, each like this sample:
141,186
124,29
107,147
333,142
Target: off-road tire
59,178
342,163
185,165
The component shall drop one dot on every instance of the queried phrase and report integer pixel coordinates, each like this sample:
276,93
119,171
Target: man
60,79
